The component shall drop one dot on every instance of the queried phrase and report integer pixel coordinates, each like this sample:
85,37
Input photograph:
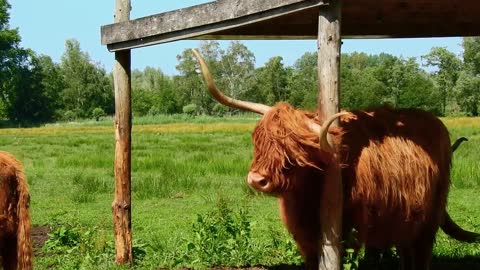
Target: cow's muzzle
258,182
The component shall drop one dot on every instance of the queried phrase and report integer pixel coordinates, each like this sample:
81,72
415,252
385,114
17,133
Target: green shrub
89,247
63,237
97,113
69,115
221,237
190,109
219,109
154,110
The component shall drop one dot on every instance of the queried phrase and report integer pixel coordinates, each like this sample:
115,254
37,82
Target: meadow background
190,204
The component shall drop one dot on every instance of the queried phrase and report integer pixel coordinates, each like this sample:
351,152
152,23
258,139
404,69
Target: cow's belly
387,230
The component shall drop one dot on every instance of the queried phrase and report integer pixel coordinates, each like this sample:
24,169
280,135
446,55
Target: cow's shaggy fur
395,169
15,243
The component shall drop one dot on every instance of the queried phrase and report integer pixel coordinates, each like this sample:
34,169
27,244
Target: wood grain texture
198,20
121,206
329,45
297,19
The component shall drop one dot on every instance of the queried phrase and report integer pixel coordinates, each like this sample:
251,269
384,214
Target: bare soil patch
39,236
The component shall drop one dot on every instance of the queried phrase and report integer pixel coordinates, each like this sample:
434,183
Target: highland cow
15,243
395,166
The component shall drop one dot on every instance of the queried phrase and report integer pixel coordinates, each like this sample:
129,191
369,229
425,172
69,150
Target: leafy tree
189,83
25,95
232,69
53,84
272,80
448,66
468,84
360,87
26,100
87,85
13,59
468,92
152,92
302,82
402,78
471,53
11,54
237,70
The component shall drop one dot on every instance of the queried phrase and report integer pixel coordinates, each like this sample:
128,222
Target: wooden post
121,207
329,43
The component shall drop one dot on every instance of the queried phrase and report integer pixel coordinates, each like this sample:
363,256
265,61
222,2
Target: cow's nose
258,181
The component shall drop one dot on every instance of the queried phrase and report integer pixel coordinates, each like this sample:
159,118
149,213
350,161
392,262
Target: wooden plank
197,21
410,18
121,206
329,43
250,19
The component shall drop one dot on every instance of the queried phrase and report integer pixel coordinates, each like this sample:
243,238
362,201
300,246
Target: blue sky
45,25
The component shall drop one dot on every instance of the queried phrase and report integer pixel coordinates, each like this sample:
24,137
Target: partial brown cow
395,169
15,243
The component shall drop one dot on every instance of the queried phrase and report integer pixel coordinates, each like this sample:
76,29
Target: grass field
188,190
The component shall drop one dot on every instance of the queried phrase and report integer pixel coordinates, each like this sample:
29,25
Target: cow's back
396,173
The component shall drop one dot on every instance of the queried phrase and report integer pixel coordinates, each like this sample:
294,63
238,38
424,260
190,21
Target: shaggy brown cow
395,169
15,244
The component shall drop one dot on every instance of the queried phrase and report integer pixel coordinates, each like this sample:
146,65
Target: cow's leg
9,255
372,257
301,220
309,251
422,256
406,258
311,262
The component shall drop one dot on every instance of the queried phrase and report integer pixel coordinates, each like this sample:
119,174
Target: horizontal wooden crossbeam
297,19
207,21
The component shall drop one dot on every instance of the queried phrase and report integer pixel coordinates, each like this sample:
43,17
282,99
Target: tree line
35,89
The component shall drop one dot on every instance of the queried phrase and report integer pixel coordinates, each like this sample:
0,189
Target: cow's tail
24,246
454,231
448,225
458,142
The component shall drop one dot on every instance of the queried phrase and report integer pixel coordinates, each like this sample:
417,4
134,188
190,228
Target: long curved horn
222,98
323,131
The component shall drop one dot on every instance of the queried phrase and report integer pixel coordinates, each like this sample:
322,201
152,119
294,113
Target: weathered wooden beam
329,44
121,207
197,21
297,19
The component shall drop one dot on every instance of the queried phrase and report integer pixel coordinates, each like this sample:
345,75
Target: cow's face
286,141
285,149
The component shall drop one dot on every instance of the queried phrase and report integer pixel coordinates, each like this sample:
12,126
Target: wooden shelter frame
327,21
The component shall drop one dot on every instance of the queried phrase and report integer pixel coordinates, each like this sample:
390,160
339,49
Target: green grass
181,168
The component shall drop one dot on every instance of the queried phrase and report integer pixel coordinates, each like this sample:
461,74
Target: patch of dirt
39,236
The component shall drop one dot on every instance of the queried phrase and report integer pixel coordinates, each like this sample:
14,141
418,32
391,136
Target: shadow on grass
438,263
12,124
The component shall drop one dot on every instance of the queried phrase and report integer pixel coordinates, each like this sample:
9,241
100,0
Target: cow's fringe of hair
24,247
284,132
